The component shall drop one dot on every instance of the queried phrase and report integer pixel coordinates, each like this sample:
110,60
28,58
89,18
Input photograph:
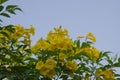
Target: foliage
5,11
55,57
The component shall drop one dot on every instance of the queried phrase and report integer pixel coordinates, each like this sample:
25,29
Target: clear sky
101,17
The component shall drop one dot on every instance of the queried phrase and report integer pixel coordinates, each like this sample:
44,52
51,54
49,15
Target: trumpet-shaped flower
59,39
62,56
46,69
92,53
91,37
39,65
106,74
71,65
32,30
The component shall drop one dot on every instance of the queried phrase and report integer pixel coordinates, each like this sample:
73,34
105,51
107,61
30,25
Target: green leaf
1,8
3,1
78,43
115,58
11,11
105,54
5,34
116,65
5,15
18,9
119,60
1,20
117,75
10,28
85,44
11,7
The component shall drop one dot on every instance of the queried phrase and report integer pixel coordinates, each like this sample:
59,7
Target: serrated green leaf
5,15
1,8
3,1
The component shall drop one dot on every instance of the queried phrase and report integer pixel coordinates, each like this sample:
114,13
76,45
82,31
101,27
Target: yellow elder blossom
99,72
47,68
50,63
41,44
39,65
92,53
51,73
87,77
91,37
79,37
106,74
62,56
59,39
19,31
32,30
71,65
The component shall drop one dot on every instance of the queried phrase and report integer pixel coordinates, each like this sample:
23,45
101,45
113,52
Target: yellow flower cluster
92,52
58,39
19,32
105,74
47,68
41,44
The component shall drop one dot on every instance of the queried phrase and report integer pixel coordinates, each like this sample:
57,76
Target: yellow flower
59,39
51,73
47,67
98,72
71,65
65,31
62,56
108,75
41,44
79,37
92,53
19,31
50,63
39,65
32,30
87,77
91,37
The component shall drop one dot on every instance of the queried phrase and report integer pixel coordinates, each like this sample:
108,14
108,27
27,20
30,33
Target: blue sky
101,17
